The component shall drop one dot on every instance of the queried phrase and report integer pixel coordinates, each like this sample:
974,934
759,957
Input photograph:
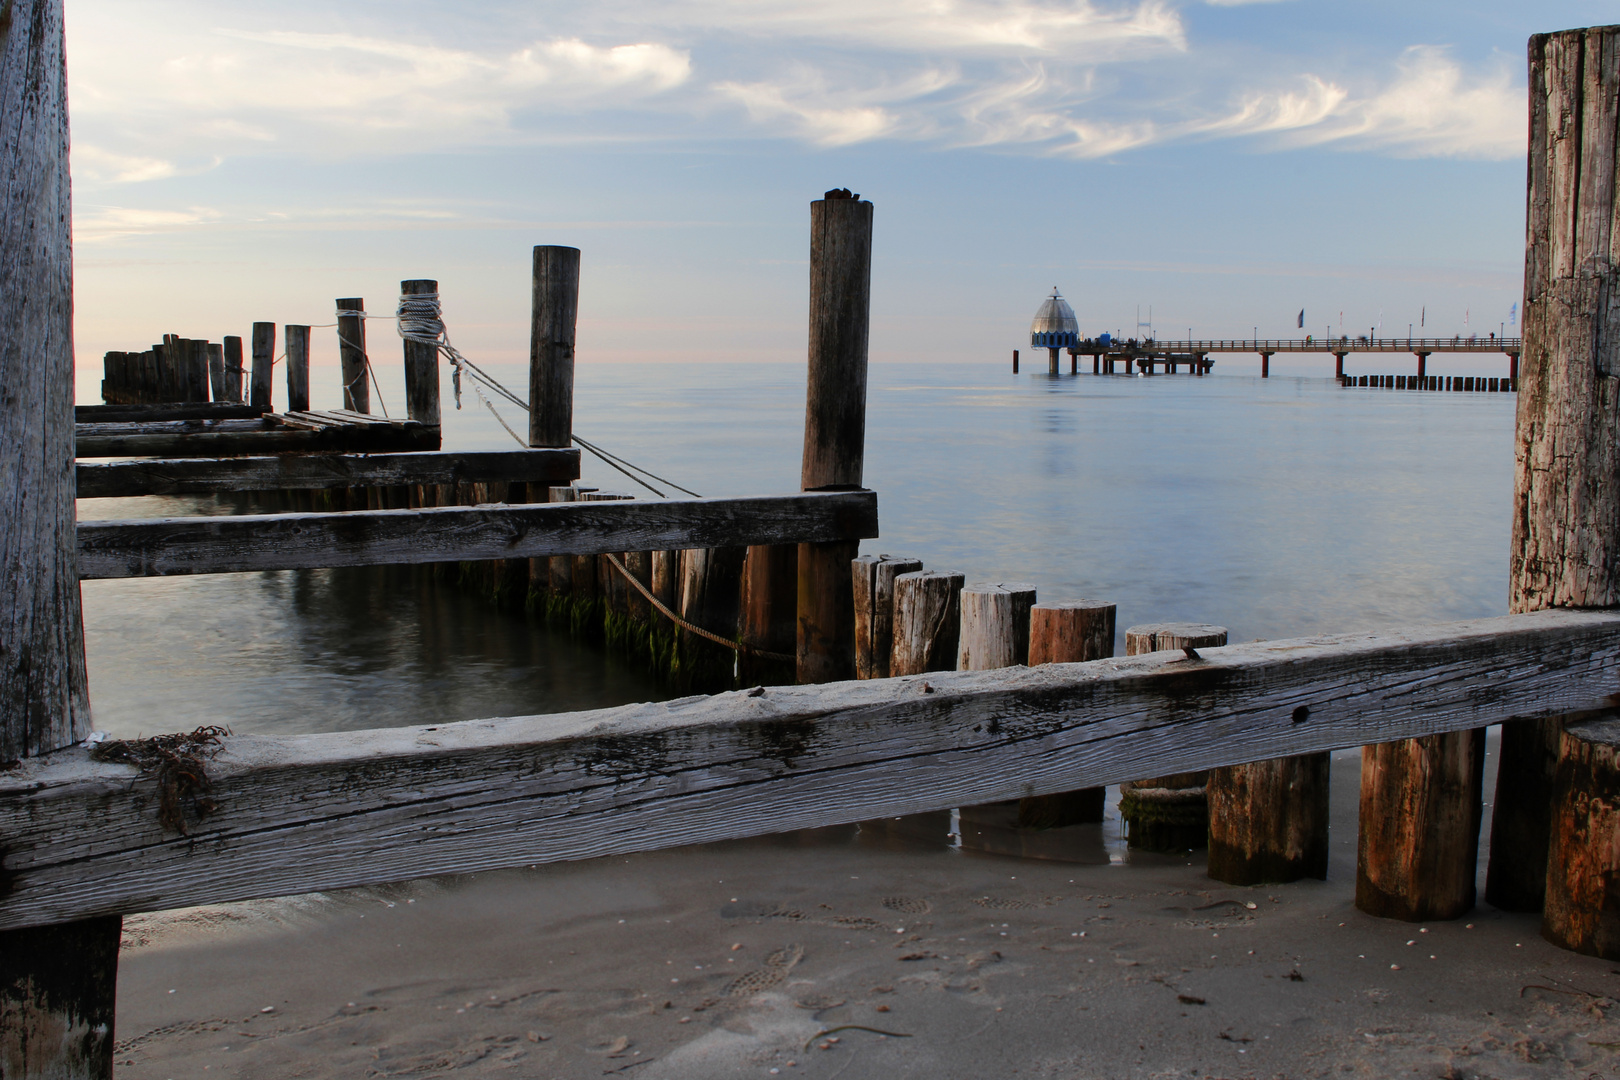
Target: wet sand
792,956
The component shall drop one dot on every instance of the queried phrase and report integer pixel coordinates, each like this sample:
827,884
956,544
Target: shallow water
1275,507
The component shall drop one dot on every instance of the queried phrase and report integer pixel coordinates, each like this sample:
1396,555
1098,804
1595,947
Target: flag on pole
1302,318
1513,314
1423,319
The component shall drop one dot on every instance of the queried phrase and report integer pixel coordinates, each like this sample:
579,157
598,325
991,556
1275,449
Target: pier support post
57,983
554,311
1096,363
297,368
874,611
1566,549
264,360
1423,364
231,346
351,331
770,600
1265,365
1338,365
1268,820
1015,361
834,424
927,622
421,364
1513,369
1583,868
1052,361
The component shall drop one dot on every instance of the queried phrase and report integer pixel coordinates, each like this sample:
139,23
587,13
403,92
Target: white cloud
91,162
92,224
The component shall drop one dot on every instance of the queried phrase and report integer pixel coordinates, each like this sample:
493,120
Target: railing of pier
1321,345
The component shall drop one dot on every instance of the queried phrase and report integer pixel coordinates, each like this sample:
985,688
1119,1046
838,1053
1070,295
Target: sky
1221,164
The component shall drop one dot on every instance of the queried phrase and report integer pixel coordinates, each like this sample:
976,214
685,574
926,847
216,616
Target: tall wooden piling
264,359
216,372
554,311
231,345
873,581
57,984
834,424
421,365
351,330
927,622
1566,548
297,368
196,384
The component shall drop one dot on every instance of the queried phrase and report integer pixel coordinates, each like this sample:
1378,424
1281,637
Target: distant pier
1152,357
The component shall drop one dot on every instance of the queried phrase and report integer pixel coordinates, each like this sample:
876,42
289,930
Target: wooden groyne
92,830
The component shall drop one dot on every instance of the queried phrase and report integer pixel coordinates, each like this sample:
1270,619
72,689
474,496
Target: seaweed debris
178,763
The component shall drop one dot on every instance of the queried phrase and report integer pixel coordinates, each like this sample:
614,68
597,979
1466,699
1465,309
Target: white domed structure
1054,325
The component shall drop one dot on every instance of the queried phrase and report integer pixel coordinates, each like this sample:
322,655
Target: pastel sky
1224,163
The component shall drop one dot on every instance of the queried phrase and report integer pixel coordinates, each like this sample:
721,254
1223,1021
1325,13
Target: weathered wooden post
421,364
873,580
770,600
57,983
264,360
1268,820
995,626
231,345
1583,869
1566,542
554,313
297,368
834,424
216,372
1069,632
1419,836
351,328
927,622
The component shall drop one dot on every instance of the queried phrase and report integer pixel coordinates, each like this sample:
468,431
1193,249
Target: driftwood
160,547
326,811
197,476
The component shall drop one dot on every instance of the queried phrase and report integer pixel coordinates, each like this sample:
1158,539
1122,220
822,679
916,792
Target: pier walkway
1194,355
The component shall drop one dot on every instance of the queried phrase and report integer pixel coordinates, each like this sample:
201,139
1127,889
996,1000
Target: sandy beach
859,952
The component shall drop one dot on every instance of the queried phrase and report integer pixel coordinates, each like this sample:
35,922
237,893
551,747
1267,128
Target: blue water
1275,507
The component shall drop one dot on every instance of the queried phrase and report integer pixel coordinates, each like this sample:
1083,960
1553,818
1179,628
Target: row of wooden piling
1468,384
194,370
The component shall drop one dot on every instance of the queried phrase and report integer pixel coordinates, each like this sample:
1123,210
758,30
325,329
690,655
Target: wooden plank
138,414
196,476
267,438
298,813
214,545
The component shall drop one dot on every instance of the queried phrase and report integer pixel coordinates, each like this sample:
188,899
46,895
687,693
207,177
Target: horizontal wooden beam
224,438
193,476
160,547
179,410
301,813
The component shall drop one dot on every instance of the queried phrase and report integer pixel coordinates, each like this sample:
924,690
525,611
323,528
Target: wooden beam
136,414
196,476
216,545
299,813
229,437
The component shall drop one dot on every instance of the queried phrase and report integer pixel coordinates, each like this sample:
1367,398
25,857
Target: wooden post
1069,632
834,424
56,984
196,380
422,365
1583,869
232,347
264,361
352,352
1566,548
711,594
1268,820
1168,813
770,600
1419,838
874,611
995,626
927,621
216,372
297,368
1265,365
1015,361
553,315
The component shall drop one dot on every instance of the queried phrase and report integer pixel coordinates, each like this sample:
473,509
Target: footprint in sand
999,903
777,966
911,905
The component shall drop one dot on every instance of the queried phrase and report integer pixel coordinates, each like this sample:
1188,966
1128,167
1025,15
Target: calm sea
1275,507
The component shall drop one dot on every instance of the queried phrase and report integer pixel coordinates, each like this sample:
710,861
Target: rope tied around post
365,357
735,646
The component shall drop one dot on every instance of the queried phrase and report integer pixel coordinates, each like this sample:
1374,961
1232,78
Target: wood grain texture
1583,870
224,438
234,371
195,476
147,413
213,545
553,314
421,365
264,359
297,338
1566,512
216,374
43,703
1070,631
995,625
927,622
1268,820
57,1000
873,583
1419,836
351,331
299,813
770,602
840,321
